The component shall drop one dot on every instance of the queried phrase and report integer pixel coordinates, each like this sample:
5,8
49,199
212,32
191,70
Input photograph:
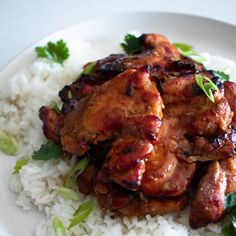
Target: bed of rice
20,99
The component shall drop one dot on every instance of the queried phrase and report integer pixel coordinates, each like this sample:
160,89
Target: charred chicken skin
147,127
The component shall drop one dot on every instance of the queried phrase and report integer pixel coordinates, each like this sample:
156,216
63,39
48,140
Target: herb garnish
131,44
58,227
74,172
19,164
188,51
56,52
55,107
88,68
221,75
67,193
82,212
69,95
230,208
8,143
207,87
48,151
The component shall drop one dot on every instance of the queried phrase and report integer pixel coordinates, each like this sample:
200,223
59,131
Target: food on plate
150,130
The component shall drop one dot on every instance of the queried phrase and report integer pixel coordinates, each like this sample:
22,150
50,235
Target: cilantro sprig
48,151
188,51
56,52
230,208
131,44
221,75
207,86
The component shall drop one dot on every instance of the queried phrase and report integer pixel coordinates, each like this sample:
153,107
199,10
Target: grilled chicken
147,126
208,205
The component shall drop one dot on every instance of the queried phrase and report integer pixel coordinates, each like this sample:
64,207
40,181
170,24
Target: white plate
205,34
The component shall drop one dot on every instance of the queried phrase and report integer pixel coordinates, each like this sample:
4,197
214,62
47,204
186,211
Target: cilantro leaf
222,76
230,202
56,52
188,51
230,207
131,44
228,230
82,212
48,151
207,87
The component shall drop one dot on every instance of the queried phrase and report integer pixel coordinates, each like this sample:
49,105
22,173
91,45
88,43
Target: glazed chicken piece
166,175
52,123
115,197
218,148
213,120
230,94
86,179
103,114
125,162
208,205
154,206
156,50
229,167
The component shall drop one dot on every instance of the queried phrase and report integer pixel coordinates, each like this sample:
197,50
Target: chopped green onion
131,44
88,69
67,193
8,144
55,106
58,227
70,95
83,211
19,164
74,172
188,51
48,151
223,77
206,87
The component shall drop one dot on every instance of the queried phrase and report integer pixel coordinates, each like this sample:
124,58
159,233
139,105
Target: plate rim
86,20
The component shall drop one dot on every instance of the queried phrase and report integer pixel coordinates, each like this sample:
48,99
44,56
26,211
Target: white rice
20,99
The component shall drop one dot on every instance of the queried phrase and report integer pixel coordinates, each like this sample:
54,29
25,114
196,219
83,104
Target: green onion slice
19,164
207,87
67,193
8,144
58,227
74,172
83,211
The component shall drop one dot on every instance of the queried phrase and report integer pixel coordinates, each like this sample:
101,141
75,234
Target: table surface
24,22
